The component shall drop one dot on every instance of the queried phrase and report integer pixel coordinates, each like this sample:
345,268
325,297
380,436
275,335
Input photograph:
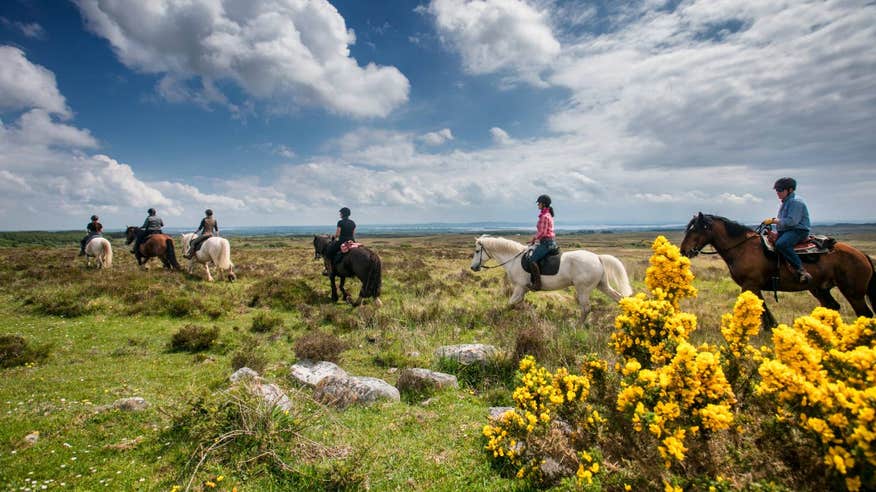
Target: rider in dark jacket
345,232
94,228
208,225
152,225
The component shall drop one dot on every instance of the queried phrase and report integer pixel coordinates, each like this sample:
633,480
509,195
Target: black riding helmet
208,212
785,184
544,200
151,211
345,212
95,217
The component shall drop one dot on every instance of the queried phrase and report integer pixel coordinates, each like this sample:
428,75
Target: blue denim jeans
785,245
542,249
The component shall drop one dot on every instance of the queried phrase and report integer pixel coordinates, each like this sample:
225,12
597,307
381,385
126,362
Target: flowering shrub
822,377
738,329
545,402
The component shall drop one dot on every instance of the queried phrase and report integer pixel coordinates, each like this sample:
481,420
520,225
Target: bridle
483,250
698,251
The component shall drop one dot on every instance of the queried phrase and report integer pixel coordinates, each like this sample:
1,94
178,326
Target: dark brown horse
360,262
750,267
155,245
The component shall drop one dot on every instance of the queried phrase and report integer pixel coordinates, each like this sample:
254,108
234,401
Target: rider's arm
216,227
201,227
338,232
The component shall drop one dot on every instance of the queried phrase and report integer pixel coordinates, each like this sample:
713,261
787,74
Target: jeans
785,245
544,247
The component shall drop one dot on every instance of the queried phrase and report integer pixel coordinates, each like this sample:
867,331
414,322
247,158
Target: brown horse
155,245
360,262
750,267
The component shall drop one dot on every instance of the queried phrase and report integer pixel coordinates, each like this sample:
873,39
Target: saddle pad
549,265
91,238
348,245
812,245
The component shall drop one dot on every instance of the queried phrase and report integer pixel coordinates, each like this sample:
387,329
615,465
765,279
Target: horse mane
500,244
734,229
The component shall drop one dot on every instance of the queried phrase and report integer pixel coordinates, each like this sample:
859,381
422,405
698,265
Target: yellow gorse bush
670,388
822,377
540,399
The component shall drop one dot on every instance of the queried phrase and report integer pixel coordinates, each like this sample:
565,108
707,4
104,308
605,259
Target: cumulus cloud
500,136
497,35
437,138
275,50
26,85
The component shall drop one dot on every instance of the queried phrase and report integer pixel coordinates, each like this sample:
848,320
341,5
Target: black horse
359,262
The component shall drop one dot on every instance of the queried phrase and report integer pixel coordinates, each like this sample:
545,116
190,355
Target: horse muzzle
690,253
476,268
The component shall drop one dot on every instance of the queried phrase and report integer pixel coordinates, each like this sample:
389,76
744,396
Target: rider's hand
769,221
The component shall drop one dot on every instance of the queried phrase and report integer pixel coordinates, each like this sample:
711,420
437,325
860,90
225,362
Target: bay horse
155,245
359,262
583,269
101,250
215,250
742,250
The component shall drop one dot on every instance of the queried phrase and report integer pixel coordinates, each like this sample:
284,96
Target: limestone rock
467,354
272,395
342,392
244,373
417,379
311,373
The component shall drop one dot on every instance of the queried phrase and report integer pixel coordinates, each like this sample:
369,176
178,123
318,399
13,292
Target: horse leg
857,300
584,302
517,294
347,296
334,288
766,318
825,299
207,267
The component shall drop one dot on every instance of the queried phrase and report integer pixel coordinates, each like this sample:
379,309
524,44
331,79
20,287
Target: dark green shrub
16,351
532,340
58,302
194,338
317,345
249,357
265,321
498,371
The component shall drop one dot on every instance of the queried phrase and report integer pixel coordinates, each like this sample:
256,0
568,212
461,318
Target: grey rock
417,377
311,373
32,438
467,354
272,395
244,373
497,412
133,404
342,392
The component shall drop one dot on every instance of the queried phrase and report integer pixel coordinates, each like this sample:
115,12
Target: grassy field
107,335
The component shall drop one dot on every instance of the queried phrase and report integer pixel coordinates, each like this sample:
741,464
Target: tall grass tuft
15,350
194,338
317,346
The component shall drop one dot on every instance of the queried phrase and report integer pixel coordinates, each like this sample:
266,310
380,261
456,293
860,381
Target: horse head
320,243
131,234
697,235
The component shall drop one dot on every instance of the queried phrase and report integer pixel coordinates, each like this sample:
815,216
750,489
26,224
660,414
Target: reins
740,243
484,249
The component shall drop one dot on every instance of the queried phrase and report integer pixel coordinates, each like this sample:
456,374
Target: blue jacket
793,214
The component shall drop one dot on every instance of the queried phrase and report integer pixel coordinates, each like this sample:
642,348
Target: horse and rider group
788,259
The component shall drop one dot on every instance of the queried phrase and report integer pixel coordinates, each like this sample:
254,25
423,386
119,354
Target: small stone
133,404
244,373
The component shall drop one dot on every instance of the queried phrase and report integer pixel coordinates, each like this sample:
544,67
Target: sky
279,112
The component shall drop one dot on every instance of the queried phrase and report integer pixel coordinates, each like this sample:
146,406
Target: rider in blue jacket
792,224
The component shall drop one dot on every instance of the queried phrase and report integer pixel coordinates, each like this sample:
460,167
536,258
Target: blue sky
279,112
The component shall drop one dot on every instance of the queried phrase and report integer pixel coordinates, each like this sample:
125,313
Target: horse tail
615,273
371,286
107,255
223,261
171,254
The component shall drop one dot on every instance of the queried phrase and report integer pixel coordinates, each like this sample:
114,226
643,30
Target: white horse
101,250
215,250
583,269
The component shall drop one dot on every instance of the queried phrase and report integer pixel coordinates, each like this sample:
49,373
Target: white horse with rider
583,269
215,250
99,249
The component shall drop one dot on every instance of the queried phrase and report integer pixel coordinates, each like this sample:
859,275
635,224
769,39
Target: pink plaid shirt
545,227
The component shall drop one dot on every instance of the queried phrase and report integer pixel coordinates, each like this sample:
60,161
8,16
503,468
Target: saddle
549,265
808,250
348,245
91,238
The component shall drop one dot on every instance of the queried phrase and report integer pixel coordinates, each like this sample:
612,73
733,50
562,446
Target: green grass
109,333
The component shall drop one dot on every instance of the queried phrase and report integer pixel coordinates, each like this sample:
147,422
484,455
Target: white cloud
497,35
437,138
279,51
500,136
29,29
26,85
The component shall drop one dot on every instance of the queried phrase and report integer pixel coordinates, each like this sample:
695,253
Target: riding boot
535,276
803,276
